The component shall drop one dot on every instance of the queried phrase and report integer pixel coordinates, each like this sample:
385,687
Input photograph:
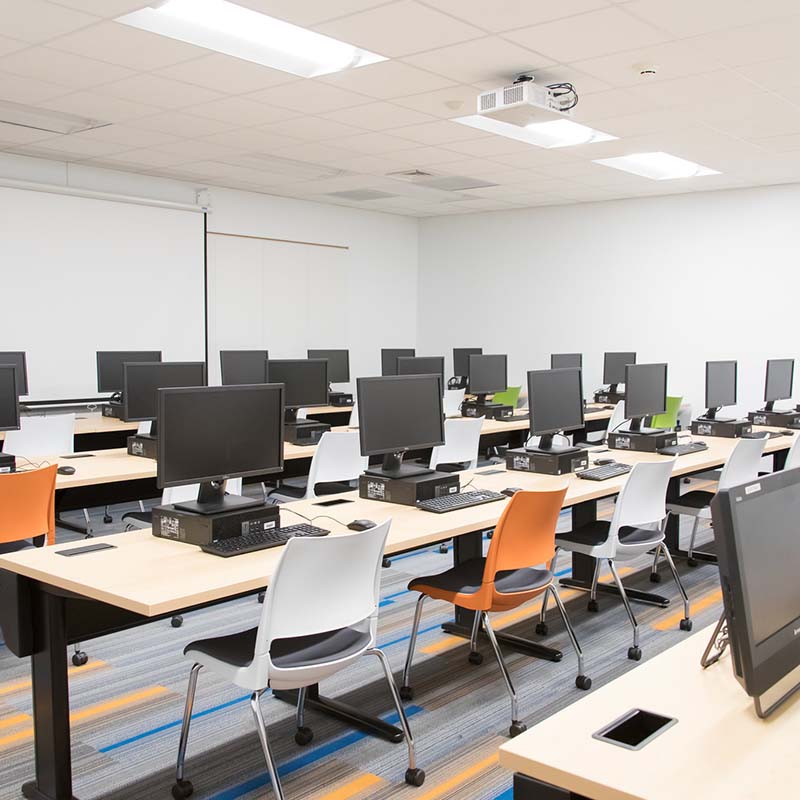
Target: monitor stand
637,428
711,416
211,499
547,447
394,468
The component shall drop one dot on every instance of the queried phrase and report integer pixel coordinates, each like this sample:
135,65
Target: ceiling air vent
361,194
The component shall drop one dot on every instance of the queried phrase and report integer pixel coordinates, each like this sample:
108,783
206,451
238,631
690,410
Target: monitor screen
566,361
338,364
9,399
243,366
421,365
399,413
778,385
645,390
720,384
141,382
614,366
389,358
109,366
305,379
219,432
488,374
461,359
17,358
555,399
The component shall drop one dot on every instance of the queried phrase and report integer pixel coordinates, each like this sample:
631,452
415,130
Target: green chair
509,397
668,420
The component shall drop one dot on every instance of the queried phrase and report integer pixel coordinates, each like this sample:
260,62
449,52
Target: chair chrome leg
406,692
187,719
543,610
582,681
517,727
692,538
634,653
88,520
595,579
300,715
255,705
686,622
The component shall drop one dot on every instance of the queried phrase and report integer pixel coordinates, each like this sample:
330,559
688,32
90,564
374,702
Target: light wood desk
718,749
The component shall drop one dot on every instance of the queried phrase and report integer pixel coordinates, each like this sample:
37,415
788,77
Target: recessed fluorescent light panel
554,133
42,119
657,166
243,33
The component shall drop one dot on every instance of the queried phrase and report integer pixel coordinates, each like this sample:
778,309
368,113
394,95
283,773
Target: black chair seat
466,578
143,517
7,548
321,489
697,499
593,534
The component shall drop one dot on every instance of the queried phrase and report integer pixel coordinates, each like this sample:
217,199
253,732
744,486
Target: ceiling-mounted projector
524,103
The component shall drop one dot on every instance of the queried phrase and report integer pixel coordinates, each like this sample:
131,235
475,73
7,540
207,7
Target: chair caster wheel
686,624
444,549
475,658
517,728
655,577
592,606
261,596
387,562
406,693
108,519
303,736
182,790
541,628
176,622
692,562
490,534
634,653
80,659
415,777
583,682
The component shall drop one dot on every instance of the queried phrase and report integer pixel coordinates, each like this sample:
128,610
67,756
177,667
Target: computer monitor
645,393
9,399
389,358
238,367
338,364
398,413
566,361
109,366
421,365
755,529
778,382
488,374
306,382
461,359
555,399
614,368
17,358
141,382
212,433
720,386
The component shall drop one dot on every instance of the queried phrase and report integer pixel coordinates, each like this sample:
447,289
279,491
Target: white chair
685,416
793,456
302,413
636,527
42,436
461,443
320,616
453,398
741,467
615,423
353,421
336,460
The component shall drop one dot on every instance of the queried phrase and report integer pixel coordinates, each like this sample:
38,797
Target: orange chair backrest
526,533
27,504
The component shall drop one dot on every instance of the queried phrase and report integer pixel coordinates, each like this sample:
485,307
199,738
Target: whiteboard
81,275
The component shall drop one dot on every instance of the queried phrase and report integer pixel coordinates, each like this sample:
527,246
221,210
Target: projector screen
82,275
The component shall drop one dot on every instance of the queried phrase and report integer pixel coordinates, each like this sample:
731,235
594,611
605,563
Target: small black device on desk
361,525
605,472
683,449
454,502
66,470
515,418
761,435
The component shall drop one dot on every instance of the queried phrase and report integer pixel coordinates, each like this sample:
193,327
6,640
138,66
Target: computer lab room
398,399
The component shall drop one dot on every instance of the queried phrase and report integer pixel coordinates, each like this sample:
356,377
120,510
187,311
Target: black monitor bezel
653,412
735,382
766,380
409,352
126,394
410,358
532,405
482,391
605,364
557,355
303,360
222,365
23,357
467,351
346,352
98,353
13,369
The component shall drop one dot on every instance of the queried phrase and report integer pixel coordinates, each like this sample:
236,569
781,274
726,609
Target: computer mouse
361,525
787,433
66,470
510,491
601,462
698,441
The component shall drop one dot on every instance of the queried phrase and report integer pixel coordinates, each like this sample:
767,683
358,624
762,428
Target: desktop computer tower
304,433
7,463
186,526
144,446
725,428
523,460
469,408
642,442
112,409
340,399
775,419
407,491
604,397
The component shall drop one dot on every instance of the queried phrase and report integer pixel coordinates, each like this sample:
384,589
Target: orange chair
505,579
27,506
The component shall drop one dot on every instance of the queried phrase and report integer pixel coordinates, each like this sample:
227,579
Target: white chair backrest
323,584
182,494
453,398
302,413
353,422
42,436
685,416
144,428
743,462
337,459
643,499
616,423
461,442
793,456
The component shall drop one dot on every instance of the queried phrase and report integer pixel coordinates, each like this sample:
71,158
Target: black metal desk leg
526,788
51,705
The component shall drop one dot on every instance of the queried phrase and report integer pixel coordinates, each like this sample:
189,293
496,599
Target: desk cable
312,519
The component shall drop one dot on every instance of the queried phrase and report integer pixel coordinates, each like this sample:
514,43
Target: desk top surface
153,576
718,749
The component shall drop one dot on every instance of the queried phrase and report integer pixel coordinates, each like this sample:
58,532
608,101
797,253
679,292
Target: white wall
682,279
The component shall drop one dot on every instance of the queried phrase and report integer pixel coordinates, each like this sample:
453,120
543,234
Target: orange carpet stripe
353,788
19,686
10,722
462,777
697,606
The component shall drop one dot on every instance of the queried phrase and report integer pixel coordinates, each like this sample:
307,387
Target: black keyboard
605,472
683,449
515,418
452,502
250,542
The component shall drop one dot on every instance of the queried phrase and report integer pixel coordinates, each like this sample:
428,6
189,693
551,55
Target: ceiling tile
37,21
423,156
8,45
488,146
157,91
596,33
373,165
312,129
15,134
399,29
105,8
378,116
374,143
387,79
696,91
250,139
227,74
749,45
445,103
81,146
183,125
309,12
313,152
148,158
439,132
127,136
309,97
28,91
239,111
96,106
